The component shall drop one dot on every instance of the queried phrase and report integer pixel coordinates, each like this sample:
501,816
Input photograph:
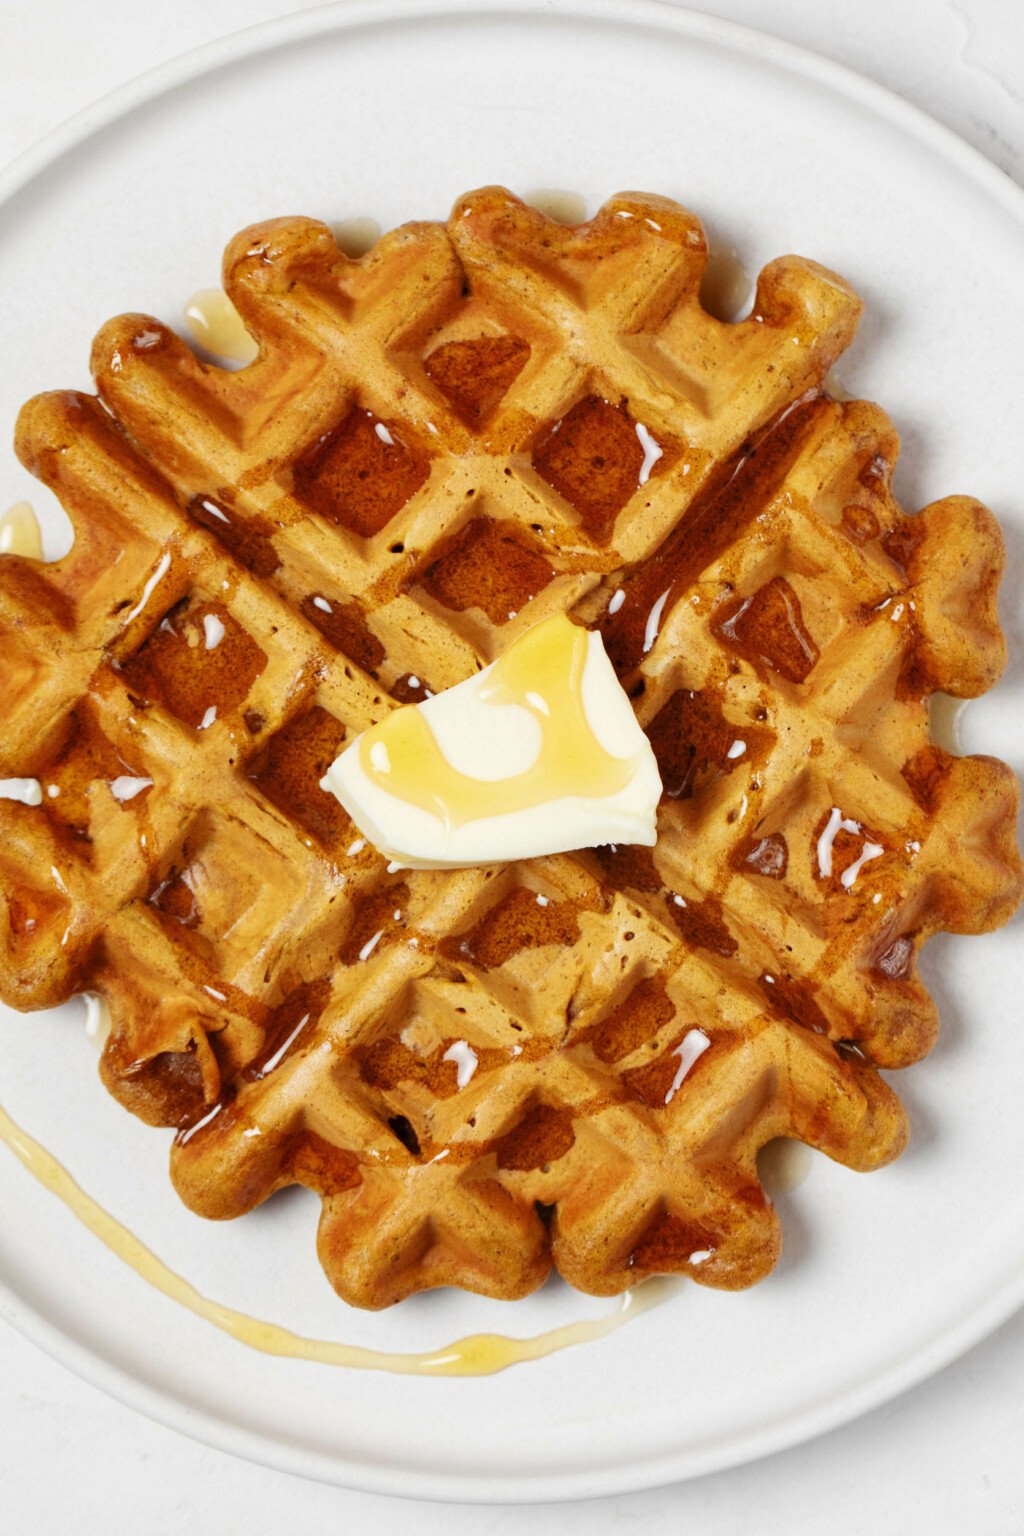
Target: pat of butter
539,753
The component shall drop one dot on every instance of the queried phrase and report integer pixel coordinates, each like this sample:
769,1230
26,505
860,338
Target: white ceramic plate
390,110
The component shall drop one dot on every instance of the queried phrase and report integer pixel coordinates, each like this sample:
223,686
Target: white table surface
944,1458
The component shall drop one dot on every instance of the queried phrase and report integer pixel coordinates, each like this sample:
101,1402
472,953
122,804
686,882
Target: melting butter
539,753
216,325
479,1354
20,533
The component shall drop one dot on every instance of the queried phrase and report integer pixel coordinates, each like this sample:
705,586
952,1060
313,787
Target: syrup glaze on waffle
438,445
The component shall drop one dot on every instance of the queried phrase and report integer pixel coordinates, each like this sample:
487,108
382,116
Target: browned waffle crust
279,995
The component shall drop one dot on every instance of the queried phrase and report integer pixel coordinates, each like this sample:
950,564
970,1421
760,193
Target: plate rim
351,15
747,1444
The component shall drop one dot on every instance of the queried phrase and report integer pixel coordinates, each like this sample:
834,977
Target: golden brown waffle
435,448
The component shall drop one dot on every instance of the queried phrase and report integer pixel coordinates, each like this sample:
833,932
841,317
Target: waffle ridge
436,447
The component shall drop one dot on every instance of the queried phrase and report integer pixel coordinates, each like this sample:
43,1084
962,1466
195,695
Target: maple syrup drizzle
20,533
543,674
479,1354
218,327
725,505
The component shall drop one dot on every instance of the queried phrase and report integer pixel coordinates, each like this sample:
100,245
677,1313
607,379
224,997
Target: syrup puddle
479,1354
218,327
20,533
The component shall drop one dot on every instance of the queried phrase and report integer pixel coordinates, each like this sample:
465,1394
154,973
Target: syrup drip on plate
218,327
479,1354
20,533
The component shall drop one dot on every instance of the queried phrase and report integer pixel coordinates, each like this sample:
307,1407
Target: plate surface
391,110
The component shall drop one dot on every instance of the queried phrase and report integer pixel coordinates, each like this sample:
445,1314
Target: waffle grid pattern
437,446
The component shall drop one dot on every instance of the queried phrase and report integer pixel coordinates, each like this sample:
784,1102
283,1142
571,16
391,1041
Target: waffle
566,1061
